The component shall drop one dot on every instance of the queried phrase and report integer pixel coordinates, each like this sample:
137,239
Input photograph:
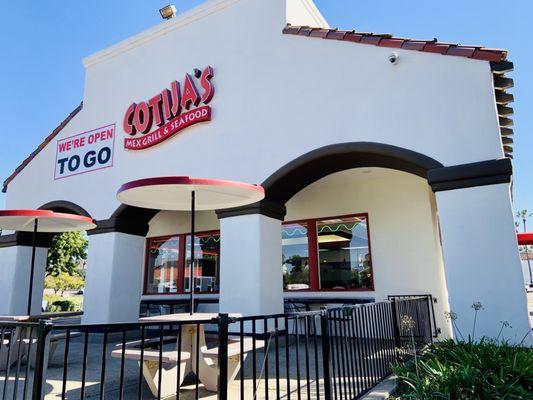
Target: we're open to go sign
86,152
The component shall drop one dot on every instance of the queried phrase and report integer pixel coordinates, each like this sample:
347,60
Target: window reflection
295,256
343,253
206,262
162,274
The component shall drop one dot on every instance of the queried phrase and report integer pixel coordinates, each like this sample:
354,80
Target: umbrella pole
191,270
32,269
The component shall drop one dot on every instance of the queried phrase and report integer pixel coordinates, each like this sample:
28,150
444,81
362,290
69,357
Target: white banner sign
85,152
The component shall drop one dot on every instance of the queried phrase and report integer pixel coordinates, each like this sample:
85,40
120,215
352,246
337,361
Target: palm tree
524,215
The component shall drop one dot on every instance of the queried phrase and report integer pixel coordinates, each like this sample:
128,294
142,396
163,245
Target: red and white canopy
525,238
48,221
173,193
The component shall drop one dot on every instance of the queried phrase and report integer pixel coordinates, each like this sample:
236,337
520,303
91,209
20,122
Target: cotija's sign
170,111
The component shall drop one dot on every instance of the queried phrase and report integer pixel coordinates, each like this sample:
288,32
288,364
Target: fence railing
336,353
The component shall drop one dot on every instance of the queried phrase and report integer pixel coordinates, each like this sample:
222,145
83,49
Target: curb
383,390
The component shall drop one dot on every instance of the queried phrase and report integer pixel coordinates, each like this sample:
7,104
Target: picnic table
10,351
193,356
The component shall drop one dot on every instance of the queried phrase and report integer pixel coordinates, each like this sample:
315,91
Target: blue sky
43,43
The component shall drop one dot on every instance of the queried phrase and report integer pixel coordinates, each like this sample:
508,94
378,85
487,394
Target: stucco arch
288,180
65,207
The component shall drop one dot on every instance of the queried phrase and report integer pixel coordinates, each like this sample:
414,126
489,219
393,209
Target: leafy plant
64,305
469,370
63,282
67,252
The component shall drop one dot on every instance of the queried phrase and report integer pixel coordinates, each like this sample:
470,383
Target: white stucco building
386,164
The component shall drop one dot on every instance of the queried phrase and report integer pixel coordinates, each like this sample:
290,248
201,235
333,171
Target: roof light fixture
168,12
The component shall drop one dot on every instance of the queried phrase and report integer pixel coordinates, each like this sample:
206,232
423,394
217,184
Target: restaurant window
327,254
162,271
206,263
343,253
295,256
168,264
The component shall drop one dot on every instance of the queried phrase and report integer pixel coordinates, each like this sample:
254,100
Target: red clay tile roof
387,40
48,139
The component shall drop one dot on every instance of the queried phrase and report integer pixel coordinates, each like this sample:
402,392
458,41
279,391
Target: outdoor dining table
193,342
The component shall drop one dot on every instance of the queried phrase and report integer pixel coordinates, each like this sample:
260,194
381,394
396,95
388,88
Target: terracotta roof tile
336,35
48,139
506,132
414,45
489,55
388,40
506,122
321,33
501,67
462,51
436,48
370,39
353,37
503,97
305,31
291,30
504,110
396,43
503,83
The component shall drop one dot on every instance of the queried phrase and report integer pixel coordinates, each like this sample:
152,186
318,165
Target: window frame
182,243
312,241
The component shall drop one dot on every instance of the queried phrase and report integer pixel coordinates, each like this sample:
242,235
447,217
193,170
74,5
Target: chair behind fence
337,353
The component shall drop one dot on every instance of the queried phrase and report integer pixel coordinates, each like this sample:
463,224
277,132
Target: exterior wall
250,271
174,222
482,263
404,239
260,118
15,264
113,280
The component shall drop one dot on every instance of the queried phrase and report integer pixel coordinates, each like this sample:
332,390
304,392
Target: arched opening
316,164
65,207
359,223
65,264
128,219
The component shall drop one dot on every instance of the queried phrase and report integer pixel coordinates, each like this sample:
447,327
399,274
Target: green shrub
469,370
51,298
64,305
63,282
54,309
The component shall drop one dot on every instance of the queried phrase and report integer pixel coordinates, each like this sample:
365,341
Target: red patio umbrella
183,193
43,221
526,239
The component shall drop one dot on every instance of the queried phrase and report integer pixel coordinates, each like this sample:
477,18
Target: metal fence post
396,327
428,305
41,359
223,324
325,352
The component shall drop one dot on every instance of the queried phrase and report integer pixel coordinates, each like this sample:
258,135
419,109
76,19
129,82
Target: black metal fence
337,353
